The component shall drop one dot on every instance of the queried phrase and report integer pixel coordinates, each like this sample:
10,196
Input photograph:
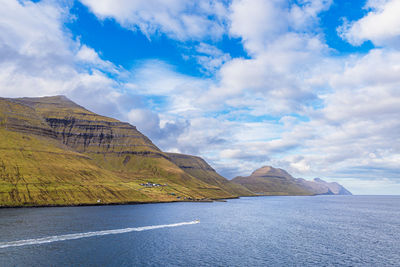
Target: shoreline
148,202
118,203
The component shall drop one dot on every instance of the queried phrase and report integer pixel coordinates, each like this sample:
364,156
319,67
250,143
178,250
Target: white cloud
355,113
260,22
283,54
359,118
31,45
257,22
38,57
144,119
303,15
349,112
381,25
90,57
157,79
179,19
210,57
164,132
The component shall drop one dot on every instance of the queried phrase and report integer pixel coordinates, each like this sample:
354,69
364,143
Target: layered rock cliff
55,152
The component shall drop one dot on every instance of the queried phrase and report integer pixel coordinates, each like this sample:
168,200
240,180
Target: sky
310,86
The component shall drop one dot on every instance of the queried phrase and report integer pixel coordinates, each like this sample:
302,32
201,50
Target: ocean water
257,231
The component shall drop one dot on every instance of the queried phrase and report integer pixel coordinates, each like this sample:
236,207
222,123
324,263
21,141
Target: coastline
147,202
120,203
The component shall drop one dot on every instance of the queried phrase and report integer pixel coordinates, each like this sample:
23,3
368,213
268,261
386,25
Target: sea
250,231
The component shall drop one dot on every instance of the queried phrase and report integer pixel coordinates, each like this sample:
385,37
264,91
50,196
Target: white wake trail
56,238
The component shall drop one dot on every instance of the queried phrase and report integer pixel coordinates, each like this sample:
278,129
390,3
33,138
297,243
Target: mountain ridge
55,152
268,180
199,168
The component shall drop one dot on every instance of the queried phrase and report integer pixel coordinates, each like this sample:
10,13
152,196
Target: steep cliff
55,152
200,169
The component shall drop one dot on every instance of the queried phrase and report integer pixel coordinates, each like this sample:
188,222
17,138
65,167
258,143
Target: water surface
258,231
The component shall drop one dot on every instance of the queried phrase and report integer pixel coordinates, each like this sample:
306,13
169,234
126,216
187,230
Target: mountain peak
58,100
68,155
268,180
269,171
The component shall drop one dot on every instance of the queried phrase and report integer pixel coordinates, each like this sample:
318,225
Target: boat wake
56,238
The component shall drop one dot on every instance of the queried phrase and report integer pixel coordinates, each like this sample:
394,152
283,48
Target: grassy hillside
199,168
271,181
36,171
54,152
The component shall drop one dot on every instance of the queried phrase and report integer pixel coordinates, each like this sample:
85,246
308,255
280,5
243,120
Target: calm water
262,231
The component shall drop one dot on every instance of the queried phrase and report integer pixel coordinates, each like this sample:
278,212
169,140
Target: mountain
55,152
273,181
199,168
320,187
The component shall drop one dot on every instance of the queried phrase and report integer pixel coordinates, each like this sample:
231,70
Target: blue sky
311,86
128,48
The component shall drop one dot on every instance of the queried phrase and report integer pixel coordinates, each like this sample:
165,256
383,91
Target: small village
150,184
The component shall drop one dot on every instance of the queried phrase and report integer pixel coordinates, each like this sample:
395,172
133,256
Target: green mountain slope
273,181
199,168
55,152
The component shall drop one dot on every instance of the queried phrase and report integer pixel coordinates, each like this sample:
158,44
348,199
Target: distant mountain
271,181
55,152
320,187
199,168
274,181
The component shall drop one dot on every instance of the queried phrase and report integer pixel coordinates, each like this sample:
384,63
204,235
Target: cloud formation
179,19
381,25
38,57
290,103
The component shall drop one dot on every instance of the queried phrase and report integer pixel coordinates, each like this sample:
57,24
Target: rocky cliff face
55,152
85,131
273,181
